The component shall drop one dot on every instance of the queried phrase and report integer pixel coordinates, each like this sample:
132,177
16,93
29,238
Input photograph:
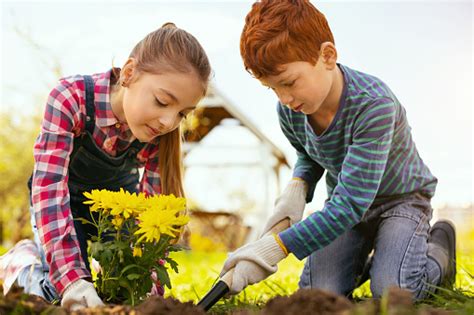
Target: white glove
253,262
80,294
290,204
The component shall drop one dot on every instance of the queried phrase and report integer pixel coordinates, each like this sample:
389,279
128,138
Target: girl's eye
160,103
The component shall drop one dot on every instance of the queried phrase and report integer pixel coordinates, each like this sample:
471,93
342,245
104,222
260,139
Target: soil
303,302
308,302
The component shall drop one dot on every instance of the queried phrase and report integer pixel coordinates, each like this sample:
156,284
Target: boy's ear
328,55
128,72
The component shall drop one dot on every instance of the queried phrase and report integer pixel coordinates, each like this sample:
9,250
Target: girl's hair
172,49
279,32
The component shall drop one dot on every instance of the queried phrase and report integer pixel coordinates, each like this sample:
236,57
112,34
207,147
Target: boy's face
302,86
155,104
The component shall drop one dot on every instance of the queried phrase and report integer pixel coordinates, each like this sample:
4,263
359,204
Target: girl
96,132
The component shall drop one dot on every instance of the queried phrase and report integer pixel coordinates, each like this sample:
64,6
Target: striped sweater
367,152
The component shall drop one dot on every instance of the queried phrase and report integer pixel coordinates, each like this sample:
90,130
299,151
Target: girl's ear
328,55
128,72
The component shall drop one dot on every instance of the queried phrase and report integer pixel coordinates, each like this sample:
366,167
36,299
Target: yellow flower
127,204
154,222
137,251
117,221
99,199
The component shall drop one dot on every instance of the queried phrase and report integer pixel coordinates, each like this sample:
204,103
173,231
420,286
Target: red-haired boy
350,125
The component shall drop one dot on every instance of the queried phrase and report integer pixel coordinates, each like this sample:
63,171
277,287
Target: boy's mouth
298,108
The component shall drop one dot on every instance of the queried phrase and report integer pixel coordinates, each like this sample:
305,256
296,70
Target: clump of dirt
158,305
16,302
308,302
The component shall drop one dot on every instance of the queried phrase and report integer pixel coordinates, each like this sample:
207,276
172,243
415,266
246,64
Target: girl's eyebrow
175,99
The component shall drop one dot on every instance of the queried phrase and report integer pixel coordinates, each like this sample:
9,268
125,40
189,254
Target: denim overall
89,168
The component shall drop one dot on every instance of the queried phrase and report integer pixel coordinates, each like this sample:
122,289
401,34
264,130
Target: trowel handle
277,228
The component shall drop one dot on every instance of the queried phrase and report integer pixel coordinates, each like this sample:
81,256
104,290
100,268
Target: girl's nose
167,121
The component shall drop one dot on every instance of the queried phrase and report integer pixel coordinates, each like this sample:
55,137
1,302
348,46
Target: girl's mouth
153,131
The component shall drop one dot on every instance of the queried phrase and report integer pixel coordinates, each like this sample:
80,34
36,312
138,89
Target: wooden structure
212,111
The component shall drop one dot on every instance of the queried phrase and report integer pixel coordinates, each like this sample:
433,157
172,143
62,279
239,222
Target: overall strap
90,104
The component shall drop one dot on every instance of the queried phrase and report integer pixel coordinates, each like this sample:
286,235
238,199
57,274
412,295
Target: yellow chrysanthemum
154,222
117,221
167,202
124,203
137,251
99,200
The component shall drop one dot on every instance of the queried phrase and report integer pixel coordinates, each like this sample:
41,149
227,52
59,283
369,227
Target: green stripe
378,128
344,214
335,219
328,225
369,161
364,180
298,234
377,152
311,234
316,226
357,167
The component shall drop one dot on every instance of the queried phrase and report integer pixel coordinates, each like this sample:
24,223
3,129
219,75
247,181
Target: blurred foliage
17,137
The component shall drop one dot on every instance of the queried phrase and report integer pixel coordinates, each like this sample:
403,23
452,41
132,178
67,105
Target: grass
198,271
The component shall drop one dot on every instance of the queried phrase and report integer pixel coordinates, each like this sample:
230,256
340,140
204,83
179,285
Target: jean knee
380,281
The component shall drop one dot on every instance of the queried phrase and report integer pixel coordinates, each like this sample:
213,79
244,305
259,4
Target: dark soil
303,302
308,302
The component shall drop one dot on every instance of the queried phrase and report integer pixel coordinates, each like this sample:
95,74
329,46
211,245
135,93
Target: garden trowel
222,287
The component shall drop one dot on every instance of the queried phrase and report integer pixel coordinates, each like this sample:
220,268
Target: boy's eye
290,84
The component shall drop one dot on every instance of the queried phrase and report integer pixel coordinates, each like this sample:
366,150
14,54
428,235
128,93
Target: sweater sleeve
357,184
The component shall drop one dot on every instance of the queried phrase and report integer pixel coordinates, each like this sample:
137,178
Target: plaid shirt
63,120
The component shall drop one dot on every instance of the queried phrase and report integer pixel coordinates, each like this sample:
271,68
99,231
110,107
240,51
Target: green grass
198,271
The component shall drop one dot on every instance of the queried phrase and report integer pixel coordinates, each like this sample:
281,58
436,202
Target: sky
423,50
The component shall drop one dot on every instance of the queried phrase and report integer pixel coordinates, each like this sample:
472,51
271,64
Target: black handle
214,295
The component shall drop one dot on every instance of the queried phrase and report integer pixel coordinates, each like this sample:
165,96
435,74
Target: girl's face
155,104
302,86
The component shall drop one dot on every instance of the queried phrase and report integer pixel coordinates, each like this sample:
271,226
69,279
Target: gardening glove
290,204
80,294
253,262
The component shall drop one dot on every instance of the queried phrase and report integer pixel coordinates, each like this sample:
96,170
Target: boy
352,126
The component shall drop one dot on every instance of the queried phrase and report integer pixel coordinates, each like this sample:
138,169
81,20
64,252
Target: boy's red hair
280,32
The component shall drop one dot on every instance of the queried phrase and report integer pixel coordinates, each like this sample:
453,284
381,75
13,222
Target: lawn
199,270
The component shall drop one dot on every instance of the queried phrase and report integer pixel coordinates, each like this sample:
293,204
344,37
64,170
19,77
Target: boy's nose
285,98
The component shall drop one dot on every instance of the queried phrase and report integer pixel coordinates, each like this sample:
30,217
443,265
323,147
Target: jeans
397,231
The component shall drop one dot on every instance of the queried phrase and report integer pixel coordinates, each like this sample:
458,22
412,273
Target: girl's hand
80,294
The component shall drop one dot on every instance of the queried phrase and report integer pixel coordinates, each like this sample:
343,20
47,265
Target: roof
214,108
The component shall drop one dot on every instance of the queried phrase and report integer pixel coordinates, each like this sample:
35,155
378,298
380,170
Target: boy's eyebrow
175,99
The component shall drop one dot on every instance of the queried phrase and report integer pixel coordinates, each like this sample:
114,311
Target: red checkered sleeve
50,194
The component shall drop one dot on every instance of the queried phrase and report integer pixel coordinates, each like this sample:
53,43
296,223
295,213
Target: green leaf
133,276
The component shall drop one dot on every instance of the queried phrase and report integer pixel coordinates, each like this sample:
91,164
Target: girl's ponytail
170,163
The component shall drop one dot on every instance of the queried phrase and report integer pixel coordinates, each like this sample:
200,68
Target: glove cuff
78,283
270,250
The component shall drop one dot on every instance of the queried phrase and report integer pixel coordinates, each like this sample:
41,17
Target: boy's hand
290,204
80,294
253,262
